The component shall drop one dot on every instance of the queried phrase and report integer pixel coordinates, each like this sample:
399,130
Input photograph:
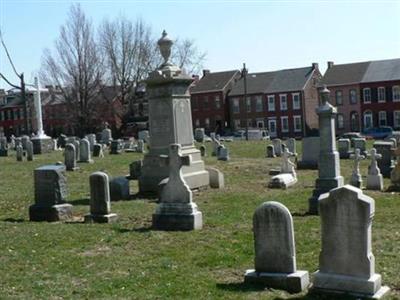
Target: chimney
205,72
330,64
314,66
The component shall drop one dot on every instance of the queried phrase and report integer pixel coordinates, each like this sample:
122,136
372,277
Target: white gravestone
346,262
310,153
374,178
70,157
275,253
287,176
84,151
216,178
29,150
277,143
19,152
291,145
356,178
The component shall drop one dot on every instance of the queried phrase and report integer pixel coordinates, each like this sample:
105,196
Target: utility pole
244,75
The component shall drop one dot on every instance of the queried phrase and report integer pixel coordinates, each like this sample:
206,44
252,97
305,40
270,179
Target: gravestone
62,140
24,140
374,178
116,147
98,151
287,176
135,169
29,150
310,153
17,141
275,253
270,151
144,135
50,195
344,148
199,135
100,205
216,144
203,150
395,174
216,178
176,210
77,145
140,146
3,146
291,145
119,188
106,136
92,140
356,178
84,151
12,142
170,122
277,143
360,143
328,163
70,157
346,262
386,163
223,153
19,153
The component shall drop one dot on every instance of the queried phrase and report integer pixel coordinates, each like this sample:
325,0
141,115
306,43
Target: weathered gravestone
277,143
374,178
199,135
176,210
310,153
291,145
62,140
116,147
24,140
344,148
216,144
84,151
275,253
29,150
92,140
356,178
223,153
346,262
360,143
140,146
287,176
19,152
100,205
395,174
70,157
119,188
328,163
3,146
170,122
386,163
106,136
135,169
98,150
270,151
50,195
77,145
17,142
144,135
216,178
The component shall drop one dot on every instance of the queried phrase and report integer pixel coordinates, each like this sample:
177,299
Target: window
283,101
368,120
217,102
207,122
259,106
248,104
235,105
272,127
297,123
296,100
2,116
396,93
339,97
340,121
353,96
285,124
250,123
17,116
271,103
396,119
382,118
367,95
381,94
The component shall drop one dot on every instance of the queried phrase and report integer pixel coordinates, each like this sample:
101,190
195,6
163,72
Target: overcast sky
267,35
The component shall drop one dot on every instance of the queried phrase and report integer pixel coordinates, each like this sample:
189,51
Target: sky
265,34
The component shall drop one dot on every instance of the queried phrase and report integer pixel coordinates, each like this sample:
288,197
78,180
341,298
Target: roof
345,74
213,82
382,70
274,82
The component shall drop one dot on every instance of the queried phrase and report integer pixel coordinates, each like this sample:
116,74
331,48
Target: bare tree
76,67
187,56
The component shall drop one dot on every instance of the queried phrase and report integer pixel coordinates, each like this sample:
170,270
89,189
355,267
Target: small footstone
216,178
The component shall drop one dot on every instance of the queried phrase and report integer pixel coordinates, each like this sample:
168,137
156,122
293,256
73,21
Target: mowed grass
129,260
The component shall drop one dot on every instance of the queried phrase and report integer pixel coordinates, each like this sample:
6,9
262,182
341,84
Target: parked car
379,132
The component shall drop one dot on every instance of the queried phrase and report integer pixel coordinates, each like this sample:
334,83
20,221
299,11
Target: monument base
291,282
307,165
375,182
73,169
42,145
282,181
360,287
178,222
322,186
110,218
356,180
54,213
90,161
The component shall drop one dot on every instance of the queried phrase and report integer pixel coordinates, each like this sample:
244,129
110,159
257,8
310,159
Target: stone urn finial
324,95
165,44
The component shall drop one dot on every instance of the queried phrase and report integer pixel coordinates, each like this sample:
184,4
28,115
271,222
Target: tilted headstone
275,253
291,145
106,136
50,195
216,144
344,148
356,178
19,153
374,178
119,188
346,262
84,151
176,210
216,178
29,150
100,205
98,150
223,153
360,143
116,147
70,157
386,163
395,174
277,143
203,150
270,151
310,153
199,135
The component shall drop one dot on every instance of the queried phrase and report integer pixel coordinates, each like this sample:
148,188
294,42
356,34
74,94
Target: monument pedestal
177,216
42,145
53,213
291,282
110,218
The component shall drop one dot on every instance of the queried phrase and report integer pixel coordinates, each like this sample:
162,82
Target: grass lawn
128,260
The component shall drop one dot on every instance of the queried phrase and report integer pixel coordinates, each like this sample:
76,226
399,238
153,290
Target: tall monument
170,122
329,163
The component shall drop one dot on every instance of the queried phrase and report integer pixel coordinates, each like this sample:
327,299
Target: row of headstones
346,262
277,148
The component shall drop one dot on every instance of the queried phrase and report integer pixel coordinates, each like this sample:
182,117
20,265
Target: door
272,128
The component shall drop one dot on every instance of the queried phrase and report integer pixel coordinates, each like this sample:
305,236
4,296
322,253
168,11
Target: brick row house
282,101
366,94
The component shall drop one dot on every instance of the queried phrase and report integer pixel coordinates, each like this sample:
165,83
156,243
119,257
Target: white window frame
260,122
272,133
207,122
364,95
340,125
236,105
384,94
339,92
197,123
248,104
282,127
259,104
296,106
281,97
236,123
380,114
396,87
396,125
217,100
365,113
271,105
297,117
350,97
